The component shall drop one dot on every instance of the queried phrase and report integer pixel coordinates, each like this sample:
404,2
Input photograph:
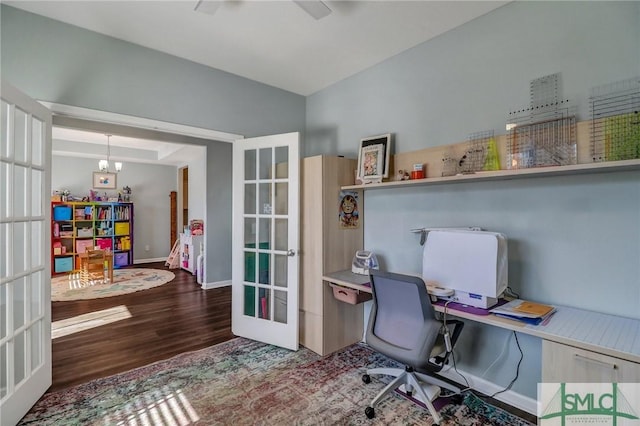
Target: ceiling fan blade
209,7
315,8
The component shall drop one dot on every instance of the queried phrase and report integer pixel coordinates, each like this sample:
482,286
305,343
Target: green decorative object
492,160
622,137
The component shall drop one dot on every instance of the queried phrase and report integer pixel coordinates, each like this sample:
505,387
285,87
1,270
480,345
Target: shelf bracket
424,231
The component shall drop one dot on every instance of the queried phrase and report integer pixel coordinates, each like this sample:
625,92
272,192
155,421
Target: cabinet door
567,364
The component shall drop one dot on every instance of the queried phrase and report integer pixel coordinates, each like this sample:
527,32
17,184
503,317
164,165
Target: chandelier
103,165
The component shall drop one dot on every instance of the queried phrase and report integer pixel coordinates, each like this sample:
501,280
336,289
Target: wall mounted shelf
575,169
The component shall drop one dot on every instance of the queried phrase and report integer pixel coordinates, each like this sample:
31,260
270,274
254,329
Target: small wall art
103,180
348,212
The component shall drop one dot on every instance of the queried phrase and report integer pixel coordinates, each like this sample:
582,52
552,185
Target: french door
25,290
266,239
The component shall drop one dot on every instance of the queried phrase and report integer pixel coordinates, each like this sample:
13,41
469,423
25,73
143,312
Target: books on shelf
525,311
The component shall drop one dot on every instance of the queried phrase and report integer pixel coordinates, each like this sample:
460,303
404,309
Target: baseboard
157,259
217,284
510,397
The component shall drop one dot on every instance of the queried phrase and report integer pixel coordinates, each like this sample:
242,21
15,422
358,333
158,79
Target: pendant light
103,165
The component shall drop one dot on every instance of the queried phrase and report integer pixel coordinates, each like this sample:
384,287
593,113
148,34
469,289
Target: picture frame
373,158
104,180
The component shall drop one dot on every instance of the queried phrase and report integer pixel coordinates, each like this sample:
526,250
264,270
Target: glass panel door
25,293
265,235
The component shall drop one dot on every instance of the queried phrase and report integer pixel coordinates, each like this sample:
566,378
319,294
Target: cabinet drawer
563,363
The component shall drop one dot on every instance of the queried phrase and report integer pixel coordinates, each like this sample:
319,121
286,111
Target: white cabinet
567,364
189,251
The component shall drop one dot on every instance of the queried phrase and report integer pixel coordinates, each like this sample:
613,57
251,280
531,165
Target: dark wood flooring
167,320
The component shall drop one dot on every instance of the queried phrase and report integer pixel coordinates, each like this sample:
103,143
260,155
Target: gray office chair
402,326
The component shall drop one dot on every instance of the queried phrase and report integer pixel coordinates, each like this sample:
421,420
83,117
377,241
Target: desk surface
608,334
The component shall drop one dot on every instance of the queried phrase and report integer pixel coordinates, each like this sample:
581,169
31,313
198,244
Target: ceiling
86,144
273,42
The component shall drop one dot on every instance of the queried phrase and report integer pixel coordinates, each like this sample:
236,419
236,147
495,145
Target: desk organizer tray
349,295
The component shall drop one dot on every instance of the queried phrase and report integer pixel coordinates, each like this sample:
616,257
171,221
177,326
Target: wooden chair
93,269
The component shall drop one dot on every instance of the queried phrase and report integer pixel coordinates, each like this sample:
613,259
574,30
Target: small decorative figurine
126,194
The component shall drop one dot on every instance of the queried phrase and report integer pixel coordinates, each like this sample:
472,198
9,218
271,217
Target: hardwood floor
167,320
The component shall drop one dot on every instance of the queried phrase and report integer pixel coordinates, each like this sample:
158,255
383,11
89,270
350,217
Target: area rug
71,287
243,382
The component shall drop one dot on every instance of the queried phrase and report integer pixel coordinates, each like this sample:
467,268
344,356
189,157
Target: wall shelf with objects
79,226
576,169
433,159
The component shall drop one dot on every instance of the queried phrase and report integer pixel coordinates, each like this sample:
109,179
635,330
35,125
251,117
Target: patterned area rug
71,287
243,382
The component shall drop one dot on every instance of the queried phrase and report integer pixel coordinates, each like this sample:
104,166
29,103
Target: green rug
243,382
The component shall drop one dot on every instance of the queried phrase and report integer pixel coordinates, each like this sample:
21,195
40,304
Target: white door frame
98,116
138,122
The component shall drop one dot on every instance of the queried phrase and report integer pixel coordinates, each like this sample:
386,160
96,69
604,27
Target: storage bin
104,243
83,245
62,213
63,264
121,259
349,295
122,228
84,232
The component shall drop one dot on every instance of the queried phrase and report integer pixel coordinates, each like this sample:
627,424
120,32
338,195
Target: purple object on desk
469,309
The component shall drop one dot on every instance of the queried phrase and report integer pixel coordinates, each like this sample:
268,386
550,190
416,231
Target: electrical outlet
147,247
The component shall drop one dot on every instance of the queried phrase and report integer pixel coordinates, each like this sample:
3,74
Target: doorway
183,196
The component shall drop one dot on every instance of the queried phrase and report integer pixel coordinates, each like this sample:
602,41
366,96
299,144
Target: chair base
425,388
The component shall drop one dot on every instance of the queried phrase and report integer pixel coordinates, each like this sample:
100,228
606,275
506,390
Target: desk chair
93,269
402,326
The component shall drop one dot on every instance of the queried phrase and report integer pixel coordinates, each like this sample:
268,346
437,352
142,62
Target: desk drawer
567,364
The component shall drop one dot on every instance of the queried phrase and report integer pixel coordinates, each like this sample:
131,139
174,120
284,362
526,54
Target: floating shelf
575,169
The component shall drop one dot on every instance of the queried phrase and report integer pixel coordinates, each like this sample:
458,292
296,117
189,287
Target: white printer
471,263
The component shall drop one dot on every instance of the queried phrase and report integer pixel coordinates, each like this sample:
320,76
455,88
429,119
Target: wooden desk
108,257
598,335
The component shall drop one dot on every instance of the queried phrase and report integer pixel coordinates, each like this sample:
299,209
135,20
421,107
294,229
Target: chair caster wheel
367,379
409,393
370,412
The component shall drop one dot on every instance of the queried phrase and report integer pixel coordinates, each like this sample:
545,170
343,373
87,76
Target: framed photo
373,158
102,180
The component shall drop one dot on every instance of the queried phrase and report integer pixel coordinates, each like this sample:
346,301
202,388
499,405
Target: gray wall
56,62
150,186
572,240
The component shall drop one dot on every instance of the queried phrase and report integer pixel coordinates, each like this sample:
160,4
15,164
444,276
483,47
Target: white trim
486,387
143,123
217,284
156,259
